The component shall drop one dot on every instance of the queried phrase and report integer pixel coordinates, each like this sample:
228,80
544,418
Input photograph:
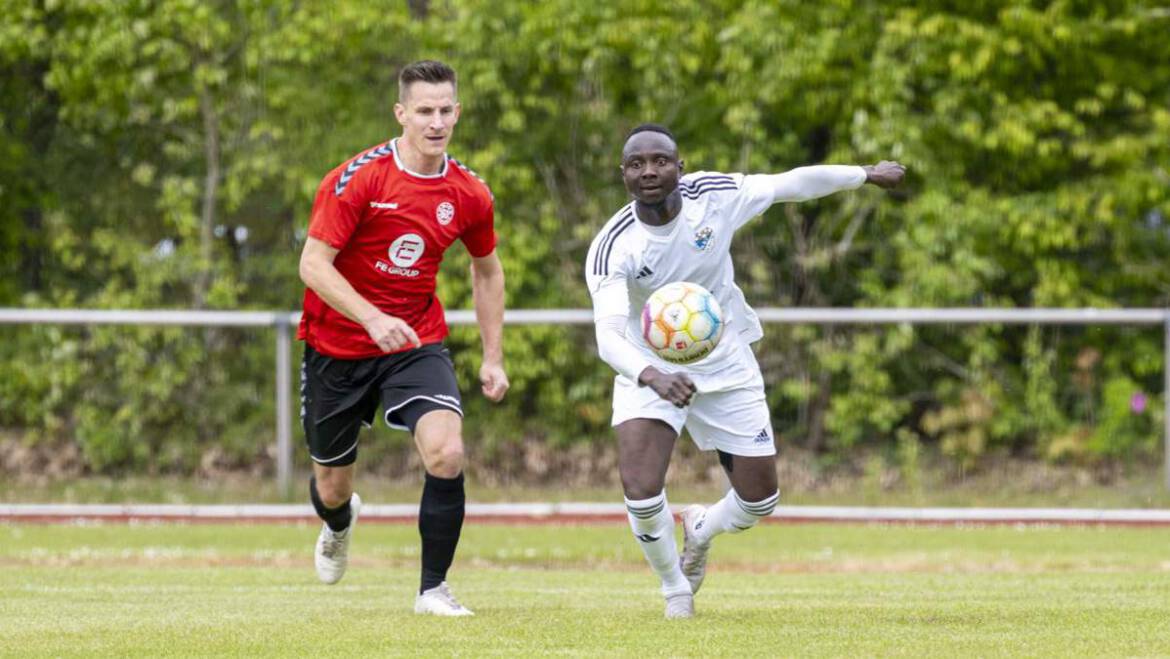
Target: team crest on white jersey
445,213
702,240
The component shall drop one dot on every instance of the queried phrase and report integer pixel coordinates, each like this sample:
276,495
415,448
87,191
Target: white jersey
628,261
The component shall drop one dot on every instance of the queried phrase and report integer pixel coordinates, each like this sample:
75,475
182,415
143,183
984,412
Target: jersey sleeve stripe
358,163
605,263
712,184
601,258
604,239
697,192
472,172
705,181
601,246
711,178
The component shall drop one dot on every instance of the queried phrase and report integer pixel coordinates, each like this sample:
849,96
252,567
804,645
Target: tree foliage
164,155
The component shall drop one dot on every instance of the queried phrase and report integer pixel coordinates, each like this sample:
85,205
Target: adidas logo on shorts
763,437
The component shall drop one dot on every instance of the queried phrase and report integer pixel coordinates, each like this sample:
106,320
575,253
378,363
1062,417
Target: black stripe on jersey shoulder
601,257
706,178
605,247
607,231
695,193
474,174
359,162
626,225
701,184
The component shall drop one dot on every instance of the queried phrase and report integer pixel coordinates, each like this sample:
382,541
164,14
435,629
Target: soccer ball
682,322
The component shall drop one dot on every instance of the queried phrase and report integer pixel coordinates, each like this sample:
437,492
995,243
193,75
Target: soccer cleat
332,553
680,606
440,602
694,554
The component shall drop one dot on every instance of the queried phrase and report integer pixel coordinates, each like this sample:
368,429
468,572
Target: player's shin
440,521
653,527
732,515
337,518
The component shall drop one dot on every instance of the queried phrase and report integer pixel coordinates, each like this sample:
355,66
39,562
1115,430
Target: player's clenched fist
494,381
391,333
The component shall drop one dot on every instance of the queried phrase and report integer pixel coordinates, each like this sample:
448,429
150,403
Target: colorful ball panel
656,336
682,322
675,316
702,325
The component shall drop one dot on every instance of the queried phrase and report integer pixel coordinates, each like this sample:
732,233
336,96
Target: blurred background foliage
164,154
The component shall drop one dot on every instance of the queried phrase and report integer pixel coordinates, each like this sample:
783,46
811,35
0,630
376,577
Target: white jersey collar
660,231
403,167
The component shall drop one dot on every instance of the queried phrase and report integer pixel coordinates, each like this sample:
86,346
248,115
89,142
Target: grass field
780,590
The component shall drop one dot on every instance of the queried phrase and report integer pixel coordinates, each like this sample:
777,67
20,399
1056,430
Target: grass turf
158,590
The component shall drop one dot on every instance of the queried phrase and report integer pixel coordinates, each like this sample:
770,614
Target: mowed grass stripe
770,548
159,591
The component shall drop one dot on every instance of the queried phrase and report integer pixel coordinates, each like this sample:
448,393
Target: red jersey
392,227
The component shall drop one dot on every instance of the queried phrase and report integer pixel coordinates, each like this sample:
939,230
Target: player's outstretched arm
487,288
813,182
318,272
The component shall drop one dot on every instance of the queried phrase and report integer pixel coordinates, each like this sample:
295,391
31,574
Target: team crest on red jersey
445,212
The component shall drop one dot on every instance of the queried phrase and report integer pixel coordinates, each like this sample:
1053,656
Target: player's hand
675,388
391,333
493,381
885,174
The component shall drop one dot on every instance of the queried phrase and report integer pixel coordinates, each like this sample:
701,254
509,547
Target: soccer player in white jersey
679,228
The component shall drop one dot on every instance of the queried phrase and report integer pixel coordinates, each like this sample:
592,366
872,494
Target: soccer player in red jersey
374,328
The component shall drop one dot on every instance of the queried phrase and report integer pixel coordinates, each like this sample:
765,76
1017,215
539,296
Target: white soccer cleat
332,553
694,554
439,601
680,606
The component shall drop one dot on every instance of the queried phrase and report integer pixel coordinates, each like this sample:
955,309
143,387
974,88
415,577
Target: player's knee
640,483
637,489
333,492
446,460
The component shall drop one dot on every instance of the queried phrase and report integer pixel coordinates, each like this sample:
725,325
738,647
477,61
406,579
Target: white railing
283,322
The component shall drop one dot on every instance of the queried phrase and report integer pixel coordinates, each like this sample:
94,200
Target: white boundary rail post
283,322
283,405
1166,398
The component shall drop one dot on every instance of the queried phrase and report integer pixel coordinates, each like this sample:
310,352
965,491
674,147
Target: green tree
165,154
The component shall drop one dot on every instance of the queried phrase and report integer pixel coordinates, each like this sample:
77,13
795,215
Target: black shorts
339,395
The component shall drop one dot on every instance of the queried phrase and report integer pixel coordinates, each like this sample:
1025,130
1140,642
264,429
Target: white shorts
735,421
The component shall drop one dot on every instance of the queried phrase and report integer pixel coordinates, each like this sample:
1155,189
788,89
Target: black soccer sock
337,518
440,519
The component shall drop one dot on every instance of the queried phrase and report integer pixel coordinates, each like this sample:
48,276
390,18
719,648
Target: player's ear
400,113
681,165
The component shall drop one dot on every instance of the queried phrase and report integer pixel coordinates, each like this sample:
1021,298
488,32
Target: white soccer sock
653,526
732,515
